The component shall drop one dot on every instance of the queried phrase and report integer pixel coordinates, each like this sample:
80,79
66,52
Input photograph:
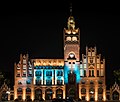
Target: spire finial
70,9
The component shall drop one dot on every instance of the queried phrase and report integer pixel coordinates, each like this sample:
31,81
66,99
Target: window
84,73
38,82
89,73
24,66
100,82
71,55
59,73
28,82
74,38
24,61
19,83
91,91
81,73
18,74
91,82
48,73
38,73
28,90
48,82
92,73
59,82
24,73
30,72
83,91
97,73
68,39
100,90
83,81
19,90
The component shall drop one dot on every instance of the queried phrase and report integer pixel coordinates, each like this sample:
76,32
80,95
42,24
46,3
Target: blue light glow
77,72
66,69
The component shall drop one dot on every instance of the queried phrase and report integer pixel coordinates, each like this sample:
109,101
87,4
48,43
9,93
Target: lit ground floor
48,93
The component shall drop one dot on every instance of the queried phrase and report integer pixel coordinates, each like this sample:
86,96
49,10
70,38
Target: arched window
91,90
19,90
71,55
100,90
28,90
68,39
74,38
83,91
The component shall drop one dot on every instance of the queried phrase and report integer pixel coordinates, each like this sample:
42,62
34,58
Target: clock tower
71,58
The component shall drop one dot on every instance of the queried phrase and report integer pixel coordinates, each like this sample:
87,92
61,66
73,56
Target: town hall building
61,78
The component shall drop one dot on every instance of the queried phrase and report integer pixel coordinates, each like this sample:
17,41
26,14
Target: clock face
72,55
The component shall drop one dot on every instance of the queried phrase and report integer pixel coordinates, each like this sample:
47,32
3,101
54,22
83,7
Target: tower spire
70,9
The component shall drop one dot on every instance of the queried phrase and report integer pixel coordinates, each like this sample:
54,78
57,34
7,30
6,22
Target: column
87,93
104,93
8,96
32,93
24,93
96,93
15,93
43,93
79,91
54,92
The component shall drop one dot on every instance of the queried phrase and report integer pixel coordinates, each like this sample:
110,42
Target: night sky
37,29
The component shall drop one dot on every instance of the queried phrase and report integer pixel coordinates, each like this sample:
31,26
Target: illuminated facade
68,77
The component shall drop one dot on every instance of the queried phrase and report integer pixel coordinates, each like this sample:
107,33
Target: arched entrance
38,94
28,93
59,93
83,92
4,96
19,92
92,92
72,92
48,94
115,95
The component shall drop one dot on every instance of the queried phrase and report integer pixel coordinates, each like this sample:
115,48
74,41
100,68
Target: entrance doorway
59,93
48,94
38,94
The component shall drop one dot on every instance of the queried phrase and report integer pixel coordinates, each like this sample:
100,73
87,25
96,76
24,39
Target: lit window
68,39
83,91
71,55
38,73
24,61
48,73
74,38
38,82
59,73
59,82
24,66
48,82
28,82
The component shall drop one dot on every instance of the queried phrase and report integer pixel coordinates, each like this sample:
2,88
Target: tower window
74,38
71,55
68,39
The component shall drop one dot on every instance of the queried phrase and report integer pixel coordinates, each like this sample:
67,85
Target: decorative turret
71,23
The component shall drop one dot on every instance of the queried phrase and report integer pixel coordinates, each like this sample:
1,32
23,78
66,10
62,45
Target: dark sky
37,29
